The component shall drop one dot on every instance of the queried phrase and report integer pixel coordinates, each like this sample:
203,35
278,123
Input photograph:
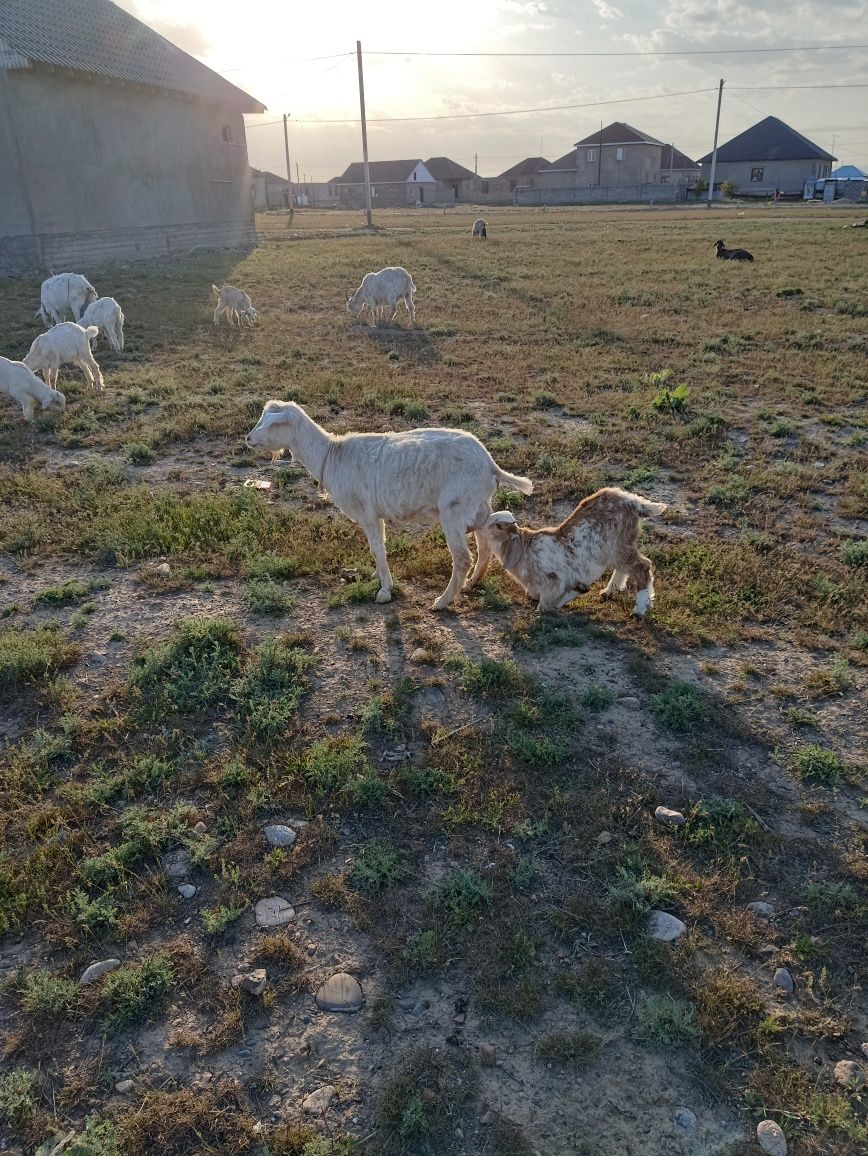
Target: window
756,174
414,174
483,186
619,154
592,154
226,133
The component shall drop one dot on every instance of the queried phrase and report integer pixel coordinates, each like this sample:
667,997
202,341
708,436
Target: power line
505,112
787,87
648,52
275,63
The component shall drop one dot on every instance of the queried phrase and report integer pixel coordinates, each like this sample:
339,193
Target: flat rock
252,981
685,1119
669,817
274,912
279,835
420,654
340,993
164,569
487,1055
187,890
629,702
98,970
850,1075
762,909
784,980
317,1102
771,1138
124,1086
200,830
177,864
662,925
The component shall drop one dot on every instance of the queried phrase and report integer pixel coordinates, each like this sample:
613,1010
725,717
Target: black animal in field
732,254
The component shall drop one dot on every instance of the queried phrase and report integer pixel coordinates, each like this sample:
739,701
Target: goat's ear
511,549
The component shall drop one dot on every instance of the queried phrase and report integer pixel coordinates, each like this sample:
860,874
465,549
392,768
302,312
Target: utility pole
288,169
364,134
714,150
476,164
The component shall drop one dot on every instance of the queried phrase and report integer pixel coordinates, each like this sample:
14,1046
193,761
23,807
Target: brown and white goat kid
556,564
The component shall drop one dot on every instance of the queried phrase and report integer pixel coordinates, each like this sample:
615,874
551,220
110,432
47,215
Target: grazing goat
234,303
731,254
23,386
480,229
382,293
65,343
63,294
423,475
107,316
555,565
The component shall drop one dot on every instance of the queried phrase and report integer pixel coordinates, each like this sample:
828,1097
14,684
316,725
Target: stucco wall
640,165
651,193
788,176
112,172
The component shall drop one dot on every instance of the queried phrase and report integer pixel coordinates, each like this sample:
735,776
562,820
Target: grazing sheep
555,565
480,229
731,254
423,475
23,386
65,343
234,303
106,315
63,294
382,293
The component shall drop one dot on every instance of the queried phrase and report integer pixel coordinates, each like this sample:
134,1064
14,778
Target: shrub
28,656
130,993
191,672
679,708
818,764
379,864
667,1023
462,895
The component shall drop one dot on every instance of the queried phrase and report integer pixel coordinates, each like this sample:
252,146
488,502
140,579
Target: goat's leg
95,371
644,576
617,582
483,557
375,532
408,301
28,408
456,540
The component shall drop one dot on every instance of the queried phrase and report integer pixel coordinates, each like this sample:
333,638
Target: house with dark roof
768,156
455,183
394,184
676,168
113,142
616,156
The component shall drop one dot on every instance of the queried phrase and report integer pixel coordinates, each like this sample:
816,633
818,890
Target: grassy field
187,658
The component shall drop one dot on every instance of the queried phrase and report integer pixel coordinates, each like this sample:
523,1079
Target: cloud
189,37
607,11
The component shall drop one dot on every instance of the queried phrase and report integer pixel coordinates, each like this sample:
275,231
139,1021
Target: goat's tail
41,314
92,331
513,481
642,506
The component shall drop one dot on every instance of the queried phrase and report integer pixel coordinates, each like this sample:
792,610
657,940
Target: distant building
271,191
394,184
616,163
455,183
767,157
113,142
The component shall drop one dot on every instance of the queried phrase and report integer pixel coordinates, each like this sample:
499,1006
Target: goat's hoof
440,604
384,596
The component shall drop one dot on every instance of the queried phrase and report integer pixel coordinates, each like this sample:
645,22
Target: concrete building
455,183
271,192
766,157
500,190
678,169
113,142
394,184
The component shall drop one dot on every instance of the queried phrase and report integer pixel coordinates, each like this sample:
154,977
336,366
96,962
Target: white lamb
480,229
108,317
557,564
65,343
234,303
64,294
382,293
23,386
423,475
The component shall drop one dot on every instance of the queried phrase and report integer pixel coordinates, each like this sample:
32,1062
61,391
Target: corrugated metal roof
525,168
97,37
769,140
381,172
443,169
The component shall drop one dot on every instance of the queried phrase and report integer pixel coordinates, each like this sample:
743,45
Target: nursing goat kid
382,293
234,303
62,295
66,343
423,475
556,565
23,386
108,317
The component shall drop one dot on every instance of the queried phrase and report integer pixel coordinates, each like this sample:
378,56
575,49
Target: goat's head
251,313
54,400
354,304
276,428
719,245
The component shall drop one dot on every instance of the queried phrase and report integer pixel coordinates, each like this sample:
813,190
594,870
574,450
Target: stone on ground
669,817
279,835
317,1102
771,1138
274,912
666,927
340,993
98,970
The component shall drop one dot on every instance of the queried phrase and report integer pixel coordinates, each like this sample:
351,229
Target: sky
300,60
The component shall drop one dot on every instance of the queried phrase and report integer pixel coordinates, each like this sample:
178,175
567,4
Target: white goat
65,343
555,565
23,386
108,317
480,229
382,293
423,475
234,303
63,294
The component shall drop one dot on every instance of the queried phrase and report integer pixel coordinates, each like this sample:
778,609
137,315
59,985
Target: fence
602,194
